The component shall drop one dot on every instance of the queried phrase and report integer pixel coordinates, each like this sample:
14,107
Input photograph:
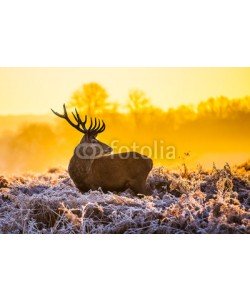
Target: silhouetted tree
138,104
90,98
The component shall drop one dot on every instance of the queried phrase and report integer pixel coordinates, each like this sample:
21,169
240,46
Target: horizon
33,91
192,105
213,98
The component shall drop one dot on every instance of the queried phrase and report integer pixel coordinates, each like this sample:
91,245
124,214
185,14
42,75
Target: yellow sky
36,90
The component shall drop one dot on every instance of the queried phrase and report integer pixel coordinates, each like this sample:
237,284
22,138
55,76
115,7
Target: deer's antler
94,128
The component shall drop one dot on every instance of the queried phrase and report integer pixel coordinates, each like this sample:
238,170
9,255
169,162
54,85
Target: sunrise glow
35,90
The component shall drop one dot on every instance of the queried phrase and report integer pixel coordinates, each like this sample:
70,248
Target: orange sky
35,90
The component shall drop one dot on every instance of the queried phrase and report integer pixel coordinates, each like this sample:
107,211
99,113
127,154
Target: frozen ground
182,202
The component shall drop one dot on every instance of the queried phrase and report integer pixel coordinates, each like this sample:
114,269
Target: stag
93,165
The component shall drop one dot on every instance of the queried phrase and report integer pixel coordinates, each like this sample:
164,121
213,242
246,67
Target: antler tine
91,124
65,110
59,115
85,121
95,124
78,116
75,117
56,113
94,129
79,120
66,117
102,128
98,126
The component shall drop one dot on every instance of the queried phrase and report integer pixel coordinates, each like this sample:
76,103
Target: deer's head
89,146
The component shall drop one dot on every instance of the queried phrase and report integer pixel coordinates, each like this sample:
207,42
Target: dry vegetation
186,201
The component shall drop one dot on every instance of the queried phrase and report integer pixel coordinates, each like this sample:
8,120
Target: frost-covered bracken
182,202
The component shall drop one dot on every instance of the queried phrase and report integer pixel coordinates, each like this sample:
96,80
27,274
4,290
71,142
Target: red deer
93,165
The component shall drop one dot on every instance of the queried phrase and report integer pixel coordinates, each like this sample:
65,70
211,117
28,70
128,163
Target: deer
94,165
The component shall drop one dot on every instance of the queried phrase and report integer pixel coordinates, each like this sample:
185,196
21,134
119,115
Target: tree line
215,125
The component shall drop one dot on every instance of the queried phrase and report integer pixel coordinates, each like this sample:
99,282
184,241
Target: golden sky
36,90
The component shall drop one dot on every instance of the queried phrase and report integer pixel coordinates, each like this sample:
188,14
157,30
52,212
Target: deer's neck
88,164
81,165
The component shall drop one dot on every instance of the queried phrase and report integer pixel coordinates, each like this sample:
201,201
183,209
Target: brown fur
93,166
111,172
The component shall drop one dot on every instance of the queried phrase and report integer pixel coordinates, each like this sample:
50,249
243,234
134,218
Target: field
183,201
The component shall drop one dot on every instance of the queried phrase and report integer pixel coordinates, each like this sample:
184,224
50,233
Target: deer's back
131,164
110,172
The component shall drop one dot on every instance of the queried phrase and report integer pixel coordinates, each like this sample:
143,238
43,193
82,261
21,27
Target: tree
215,107
138,101
138,105
91,98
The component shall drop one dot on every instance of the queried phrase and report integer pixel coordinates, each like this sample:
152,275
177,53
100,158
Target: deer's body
111,173
93,166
